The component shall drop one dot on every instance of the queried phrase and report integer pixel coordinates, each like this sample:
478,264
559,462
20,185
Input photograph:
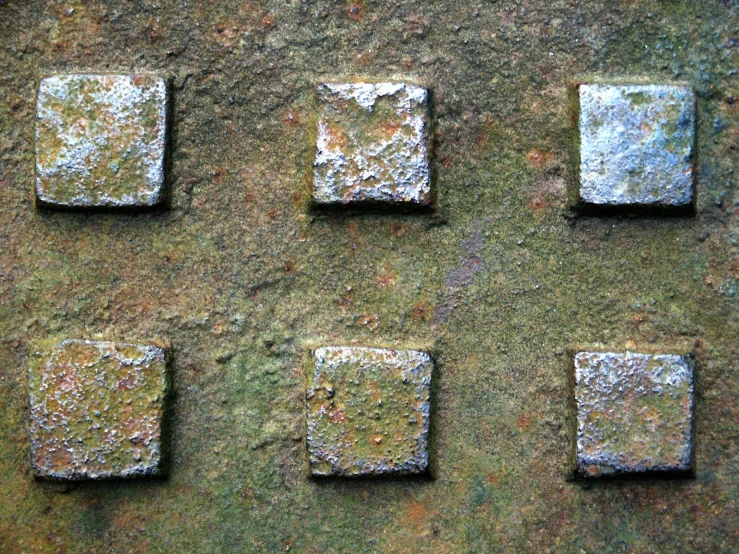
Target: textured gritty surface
636,145
369,412
497,283
97,409
100,140
634,413
372,144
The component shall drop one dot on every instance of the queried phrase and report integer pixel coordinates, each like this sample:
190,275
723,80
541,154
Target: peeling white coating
393,169
636,145
85,143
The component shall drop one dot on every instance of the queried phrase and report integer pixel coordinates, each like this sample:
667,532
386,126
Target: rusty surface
497,283
372,145
634,413
369,412
100,141
97,410
636,144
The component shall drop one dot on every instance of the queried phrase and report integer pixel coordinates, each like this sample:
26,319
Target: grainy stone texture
372,145
100,141
369,411
636,145
97,410
634,413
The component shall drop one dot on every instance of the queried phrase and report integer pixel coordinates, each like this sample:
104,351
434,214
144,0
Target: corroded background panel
498,283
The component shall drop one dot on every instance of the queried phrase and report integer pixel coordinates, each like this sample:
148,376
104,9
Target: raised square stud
100,141
369,412
372,145
636,146
97,410
634,413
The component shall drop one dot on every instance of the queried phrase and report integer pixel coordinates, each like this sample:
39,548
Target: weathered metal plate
636,145
498,283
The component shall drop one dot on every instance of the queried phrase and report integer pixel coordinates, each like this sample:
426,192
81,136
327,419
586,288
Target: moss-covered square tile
636,145
369,412
100,141
634,413
372,145
97,410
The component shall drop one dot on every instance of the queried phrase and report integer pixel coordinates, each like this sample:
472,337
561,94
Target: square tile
634,413
636,145
372,145
100,141
369,412
97,410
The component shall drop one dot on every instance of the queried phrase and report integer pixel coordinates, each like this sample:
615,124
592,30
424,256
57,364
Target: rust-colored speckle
355,11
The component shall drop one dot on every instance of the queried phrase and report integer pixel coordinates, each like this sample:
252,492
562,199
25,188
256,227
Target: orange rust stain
492,478
388,128
419,311
218,174
353,228
154,31
267,21
336,137
337,416
539,205
397,229
369,321
524,421
355,11
537,158
387,279
415,513
292,119
225,33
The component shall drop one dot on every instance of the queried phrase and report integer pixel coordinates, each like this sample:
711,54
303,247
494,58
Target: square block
97,410
372,145
369,412
636,145
634,413
100,141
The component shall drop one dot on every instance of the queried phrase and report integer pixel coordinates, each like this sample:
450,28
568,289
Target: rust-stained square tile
634,413
100,141
369,412
372,145
97,410
636,145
